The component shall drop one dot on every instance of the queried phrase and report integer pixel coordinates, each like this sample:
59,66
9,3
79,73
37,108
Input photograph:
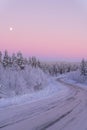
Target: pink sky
47,28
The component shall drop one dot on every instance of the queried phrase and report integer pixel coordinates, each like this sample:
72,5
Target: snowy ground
58,110
75,78
51,89
81,85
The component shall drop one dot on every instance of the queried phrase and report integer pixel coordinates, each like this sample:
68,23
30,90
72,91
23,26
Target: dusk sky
48,29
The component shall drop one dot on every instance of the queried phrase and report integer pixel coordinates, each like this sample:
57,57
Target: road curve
66,113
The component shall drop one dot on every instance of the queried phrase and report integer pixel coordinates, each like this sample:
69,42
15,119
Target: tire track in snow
51,123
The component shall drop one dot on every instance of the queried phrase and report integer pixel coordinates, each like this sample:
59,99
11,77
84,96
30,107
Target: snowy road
67,112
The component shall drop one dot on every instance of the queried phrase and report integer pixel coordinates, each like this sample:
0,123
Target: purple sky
51,29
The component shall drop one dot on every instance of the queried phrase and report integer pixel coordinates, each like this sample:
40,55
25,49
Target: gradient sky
50,29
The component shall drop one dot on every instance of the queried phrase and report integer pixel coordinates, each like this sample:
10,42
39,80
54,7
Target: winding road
66,113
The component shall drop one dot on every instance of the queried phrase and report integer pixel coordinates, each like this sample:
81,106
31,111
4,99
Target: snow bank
53,88
76,79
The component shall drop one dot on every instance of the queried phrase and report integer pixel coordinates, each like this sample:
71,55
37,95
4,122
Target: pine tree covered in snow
6,59
83,67
20,60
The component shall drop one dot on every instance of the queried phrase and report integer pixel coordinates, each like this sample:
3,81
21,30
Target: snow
14,83
65,109
36,101
59,106
81,85
31,106
76,79
53,88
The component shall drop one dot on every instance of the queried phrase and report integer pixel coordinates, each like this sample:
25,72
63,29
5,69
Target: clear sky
50,29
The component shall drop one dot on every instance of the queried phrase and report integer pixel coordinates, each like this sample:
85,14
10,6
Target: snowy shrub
76,76
35,76
17,82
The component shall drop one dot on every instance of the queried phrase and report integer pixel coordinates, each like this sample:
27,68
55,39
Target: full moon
11,29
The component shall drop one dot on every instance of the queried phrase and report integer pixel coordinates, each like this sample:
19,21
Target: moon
11,29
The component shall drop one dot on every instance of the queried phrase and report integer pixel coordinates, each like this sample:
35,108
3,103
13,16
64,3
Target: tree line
18,62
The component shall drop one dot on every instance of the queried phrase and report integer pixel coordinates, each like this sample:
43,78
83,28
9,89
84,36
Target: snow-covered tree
5,59
83,67
20,60
34,62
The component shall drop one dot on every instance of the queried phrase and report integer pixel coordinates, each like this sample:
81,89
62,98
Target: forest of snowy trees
19,75
18,62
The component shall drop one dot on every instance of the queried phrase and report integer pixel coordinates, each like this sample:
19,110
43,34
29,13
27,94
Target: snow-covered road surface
65,112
